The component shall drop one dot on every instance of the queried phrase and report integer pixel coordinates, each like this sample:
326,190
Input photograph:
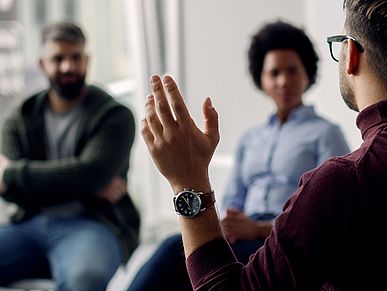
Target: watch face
188,204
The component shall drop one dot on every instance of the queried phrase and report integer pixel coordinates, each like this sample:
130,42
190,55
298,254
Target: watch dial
188,204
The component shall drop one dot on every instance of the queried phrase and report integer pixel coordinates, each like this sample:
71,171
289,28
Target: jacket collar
372,116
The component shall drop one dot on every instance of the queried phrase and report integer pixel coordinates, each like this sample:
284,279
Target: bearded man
64,161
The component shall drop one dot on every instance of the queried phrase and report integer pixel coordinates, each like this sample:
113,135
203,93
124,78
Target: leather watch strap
208,199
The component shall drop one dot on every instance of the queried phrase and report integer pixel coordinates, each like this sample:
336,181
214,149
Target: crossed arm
97,170
113,192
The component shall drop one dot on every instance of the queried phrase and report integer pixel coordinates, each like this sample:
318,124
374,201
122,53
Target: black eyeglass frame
341,38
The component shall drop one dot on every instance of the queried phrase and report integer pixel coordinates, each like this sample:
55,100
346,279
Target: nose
67,66
283,80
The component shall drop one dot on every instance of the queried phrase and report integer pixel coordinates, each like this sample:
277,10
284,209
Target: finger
211,123
146,133
225,223
118,191
152,118
177,101
161,103
231,212
121,183
232,240
122,189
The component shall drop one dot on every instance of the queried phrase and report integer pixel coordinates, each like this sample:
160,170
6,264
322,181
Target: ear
87,59
353,58
41,64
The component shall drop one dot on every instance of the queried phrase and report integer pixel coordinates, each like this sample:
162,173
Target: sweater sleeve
211,262
11,143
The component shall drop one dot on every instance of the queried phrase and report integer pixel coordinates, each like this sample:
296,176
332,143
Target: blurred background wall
202,43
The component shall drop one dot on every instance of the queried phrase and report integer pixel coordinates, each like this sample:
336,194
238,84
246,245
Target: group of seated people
65,157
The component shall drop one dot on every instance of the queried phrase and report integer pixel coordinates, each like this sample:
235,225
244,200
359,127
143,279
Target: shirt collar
299,114
370,117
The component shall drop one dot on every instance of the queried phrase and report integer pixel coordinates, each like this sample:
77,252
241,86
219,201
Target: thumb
211,125
231,212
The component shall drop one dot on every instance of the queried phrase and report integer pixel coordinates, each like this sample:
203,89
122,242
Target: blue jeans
78,252
166,269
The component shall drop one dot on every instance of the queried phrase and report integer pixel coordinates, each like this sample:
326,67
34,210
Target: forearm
200,230
66,176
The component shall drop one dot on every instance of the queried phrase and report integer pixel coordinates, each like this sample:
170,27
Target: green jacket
102,151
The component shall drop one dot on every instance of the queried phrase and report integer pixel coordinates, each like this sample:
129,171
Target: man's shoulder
101,98
28,105
335,168
34,99
100,106
95,90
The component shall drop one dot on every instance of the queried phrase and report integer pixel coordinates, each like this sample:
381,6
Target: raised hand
180,150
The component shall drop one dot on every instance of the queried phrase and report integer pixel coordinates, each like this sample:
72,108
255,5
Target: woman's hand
237,226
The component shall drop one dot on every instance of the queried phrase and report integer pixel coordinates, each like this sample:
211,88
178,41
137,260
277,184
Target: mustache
68,75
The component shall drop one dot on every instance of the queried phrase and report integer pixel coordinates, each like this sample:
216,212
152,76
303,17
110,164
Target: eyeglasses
334,41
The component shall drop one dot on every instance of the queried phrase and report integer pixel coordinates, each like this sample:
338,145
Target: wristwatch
189,203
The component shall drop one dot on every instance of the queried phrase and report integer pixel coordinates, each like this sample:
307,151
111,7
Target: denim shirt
271,158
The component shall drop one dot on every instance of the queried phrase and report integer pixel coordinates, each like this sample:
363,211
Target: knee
172,244
168,254
93,278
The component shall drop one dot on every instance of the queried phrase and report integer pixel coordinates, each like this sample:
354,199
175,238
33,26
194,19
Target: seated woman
270,157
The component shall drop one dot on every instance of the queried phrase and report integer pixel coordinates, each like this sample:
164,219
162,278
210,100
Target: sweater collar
369,118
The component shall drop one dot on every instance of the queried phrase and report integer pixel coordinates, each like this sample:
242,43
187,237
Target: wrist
201,186
189,202
197,180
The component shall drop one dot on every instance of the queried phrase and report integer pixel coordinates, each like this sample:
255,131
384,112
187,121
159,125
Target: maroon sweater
332,232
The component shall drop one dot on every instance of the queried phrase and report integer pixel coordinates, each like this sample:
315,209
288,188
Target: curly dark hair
281,35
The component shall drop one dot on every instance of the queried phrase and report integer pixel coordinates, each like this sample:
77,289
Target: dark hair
281,35
63,31
366,20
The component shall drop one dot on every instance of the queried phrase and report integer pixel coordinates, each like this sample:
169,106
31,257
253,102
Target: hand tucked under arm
182,152
114,191
4,163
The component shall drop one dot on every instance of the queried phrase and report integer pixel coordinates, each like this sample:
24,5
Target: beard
346,90
68,90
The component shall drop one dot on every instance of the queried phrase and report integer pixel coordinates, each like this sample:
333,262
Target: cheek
267,84
82,68
302,83
50,71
